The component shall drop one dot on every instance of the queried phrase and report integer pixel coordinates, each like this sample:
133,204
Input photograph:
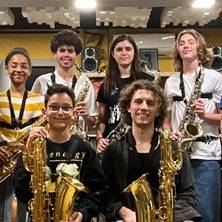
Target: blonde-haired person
192,60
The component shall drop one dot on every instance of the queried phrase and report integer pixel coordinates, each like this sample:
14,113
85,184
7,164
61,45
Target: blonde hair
204,56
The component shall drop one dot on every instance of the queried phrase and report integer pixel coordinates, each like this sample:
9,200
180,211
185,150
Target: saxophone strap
17,123
182,98
53,79
21,126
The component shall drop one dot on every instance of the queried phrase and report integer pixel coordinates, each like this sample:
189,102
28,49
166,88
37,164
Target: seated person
139,152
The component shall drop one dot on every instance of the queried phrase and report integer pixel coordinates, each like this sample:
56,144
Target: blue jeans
6,195
207,186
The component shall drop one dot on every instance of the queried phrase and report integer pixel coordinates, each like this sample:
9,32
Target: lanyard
17,123
182,85
74,80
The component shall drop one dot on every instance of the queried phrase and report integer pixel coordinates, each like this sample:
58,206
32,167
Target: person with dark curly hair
193,60
65,46
138,152
123,68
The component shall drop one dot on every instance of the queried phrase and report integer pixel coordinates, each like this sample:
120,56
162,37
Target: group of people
127,95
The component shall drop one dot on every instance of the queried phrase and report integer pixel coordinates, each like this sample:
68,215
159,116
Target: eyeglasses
55,108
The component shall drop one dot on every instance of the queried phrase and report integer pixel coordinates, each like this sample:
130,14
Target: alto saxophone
188,126
15,148
170,163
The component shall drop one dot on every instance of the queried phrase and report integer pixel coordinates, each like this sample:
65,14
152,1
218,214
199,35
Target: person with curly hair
138,153
66,46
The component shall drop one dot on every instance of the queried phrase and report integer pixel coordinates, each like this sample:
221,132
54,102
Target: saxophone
75,127
170,163
39,205
15,148
66,193
188,126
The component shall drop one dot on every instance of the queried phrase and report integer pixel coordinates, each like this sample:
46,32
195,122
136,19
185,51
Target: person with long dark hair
123,68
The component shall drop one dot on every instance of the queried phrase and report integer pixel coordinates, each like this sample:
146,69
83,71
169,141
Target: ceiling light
85,5
203,3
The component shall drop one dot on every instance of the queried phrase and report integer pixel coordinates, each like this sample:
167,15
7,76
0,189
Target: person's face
188,48
143,108
18,69
123,53
65,56
59,111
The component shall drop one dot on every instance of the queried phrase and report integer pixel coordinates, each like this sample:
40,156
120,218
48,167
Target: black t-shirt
58,153
111,101
145,163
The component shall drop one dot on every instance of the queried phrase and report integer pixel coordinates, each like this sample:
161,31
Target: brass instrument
120,130
40,203
66,193
75,127
15,148
188,126
154,75
170,163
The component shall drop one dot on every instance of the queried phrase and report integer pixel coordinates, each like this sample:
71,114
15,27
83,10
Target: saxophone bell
193,129
141,191
66,193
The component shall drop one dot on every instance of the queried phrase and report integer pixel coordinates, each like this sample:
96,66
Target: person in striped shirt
19,108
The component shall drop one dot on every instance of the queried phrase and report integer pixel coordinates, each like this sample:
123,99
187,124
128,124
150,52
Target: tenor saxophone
15,149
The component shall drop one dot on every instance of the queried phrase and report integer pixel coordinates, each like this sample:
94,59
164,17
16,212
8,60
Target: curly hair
113,74
204,55
128,92
66,37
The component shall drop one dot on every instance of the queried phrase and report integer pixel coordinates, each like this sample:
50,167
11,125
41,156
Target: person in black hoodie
143,106
64,148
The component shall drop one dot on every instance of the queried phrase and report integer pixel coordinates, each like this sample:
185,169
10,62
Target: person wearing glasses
66,46
64,149
19,108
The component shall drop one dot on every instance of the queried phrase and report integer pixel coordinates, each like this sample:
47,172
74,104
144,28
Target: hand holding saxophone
127,214
35,133
82,110
102,143
75,217
198,107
